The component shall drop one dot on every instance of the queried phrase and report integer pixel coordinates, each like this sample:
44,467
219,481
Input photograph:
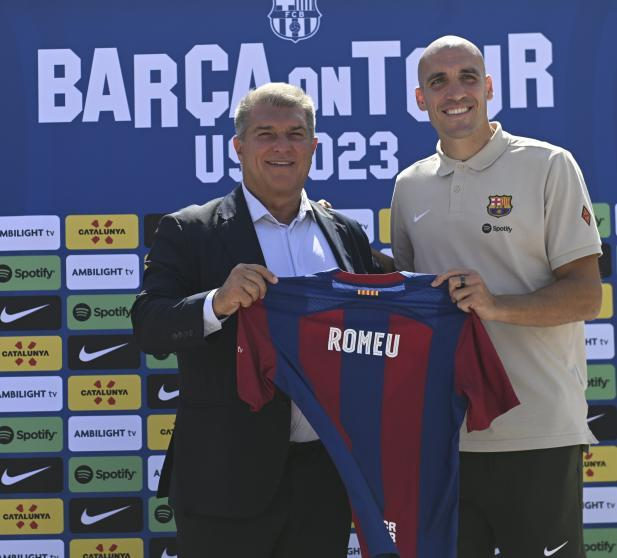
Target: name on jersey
376,343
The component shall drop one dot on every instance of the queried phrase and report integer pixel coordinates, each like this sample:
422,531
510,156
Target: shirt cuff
211,322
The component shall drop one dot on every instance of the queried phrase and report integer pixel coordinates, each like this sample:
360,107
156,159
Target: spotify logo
6,435
6,273
83,474
163,513
82,312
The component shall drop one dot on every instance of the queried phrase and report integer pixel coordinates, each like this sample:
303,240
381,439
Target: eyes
439,81
269,135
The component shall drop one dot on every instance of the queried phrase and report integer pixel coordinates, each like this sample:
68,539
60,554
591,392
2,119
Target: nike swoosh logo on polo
8,480
166,555
591,419
548,552
417,217
85,356
87,519
7,318
165,395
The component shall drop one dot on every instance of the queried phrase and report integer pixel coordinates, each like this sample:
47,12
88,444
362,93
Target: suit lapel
334,233
236,230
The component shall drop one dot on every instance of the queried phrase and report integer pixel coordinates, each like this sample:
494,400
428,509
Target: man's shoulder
421,170
522,145
196,213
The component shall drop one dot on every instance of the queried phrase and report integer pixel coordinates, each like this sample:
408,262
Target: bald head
445,43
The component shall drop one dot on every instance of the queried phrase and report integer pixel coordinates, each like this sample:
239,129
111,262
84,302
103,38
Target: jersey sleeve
570,226
481,377
255,357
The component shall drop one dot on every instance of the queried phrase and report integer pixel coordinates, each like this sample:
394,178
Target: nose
455,90
281,142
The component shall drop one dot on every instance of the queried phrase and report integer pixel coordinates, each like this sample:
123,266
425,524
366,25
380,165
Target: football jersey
384,367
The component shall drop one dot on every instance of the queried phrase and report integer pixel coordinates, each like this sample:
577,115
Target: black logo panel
606,261
106,515
31,475
602,420
103,352
26,313
163,391
163,547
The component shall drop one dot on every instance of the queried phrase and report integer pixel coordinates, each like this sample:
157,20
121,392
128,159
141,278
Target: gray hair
276,95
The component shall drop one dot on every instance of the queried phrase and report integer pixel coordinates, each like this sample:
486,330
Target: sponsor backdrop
114,113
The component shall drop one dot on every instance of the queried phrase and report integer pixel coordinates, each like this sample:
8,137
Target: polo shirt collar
482,159
258,210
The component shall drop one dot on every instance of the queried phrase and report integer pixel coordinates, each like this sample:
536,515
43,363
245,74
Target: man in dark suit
244,484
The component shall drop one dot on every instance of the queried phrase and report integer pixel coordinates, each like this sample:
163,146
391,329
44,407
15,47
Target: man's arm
575,295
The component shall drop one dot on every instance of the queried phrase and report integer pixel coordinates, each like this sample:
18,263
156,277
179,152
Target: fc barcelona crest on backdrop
499,205
294,20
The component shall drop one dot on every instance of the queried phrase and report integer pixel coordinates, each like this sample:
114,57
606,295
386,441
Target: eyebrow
270,127
470,70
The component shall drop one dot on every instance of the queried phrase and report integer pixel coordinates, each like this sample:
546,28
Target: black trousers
308,517
526,503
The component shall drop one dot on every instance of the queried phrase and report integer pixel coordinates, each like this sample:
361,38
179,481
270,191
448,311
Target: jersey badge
586,215
499,205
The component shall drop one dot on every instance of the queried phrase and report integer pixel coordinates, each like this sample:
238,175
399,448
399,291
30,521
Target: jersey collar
482,159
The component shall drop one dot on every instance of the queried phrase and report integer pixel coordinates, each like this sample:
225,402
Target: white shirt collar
259,211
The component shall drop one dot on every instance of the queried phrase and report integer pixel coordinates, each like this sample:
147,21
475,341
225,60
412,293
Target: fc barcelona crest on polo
294,20
499,205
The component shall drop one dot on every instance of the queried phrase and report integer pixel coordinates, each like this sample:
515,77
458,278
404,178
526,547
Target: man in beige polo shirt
508,223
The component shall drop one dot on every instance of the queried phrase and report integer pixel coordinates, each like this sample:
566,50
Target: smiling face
275,151
454,90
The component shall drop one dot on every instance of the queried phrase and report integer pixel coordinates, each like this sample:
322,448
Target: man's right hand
245,284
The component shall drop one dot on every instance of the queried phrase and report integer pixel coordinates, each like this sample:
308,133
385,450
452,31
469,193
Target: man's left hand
469,292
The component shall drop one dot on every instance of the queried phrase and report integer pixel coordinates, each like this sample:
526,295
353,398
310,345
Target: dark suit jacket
223,460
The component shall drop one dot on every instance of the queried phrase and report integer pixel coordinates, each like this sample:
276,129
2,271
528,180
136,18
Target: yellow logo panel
160,429
31,517
600,464
104,392
29,353
104,548
102,232
384,226
606,311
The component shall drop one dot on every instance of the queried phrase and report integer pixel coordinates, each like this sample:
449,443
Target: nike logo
548,552
8,480
7,318
166,555
85,356
591,419
87,519
417,217
165,395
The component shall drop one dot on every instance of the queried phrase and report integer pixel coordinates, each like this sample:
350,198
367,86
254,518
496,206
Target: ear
420,99
489,87
238,146
314,144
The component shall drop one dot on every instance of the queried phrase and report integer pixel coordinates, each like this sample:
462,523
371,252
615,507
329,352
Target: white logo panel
600,504
102,272
155,465
107,433
366,219
353,548
29,232
40,547
599,341
32,393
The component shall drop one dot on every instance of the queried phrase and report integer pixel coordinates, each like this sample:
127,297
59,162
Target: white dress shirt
299,248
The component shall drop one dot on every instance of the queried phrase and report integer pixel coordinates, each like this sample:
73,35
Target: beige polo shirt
515,211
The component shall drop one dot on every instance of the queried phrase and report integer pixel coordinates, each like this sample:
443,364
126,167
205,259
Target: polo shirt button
457,188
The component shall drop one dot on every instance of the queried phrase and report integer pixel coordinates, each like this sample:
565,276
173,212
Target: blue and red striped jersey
384,367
